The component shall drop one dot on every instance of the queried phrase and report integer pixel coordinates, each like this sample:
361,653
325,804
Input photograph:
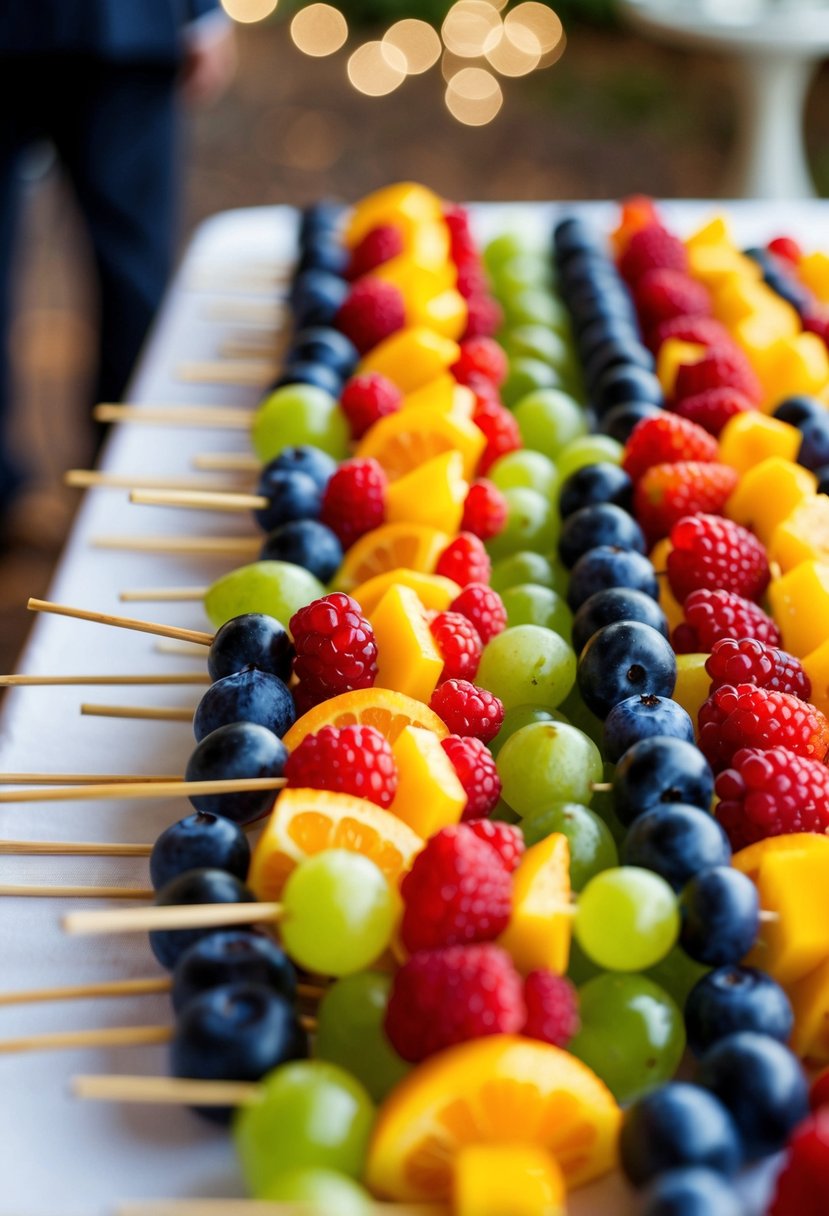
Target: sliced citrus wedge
403,441
497,1090
433,590
305,822
388,711
414,546
538,933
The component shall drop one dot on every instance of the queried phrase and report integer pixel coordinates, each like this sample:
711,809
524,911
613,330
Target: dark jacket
119,30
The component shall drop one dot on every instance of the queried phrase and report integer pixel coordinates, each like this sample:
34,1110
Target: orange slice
388,711
305,822
414,546
497,1090
403,441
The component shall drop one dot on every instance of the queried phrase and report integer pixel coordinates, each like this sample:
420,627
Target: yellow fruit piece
800,606
810,1004
739,297
714,232
412,357
813,272
406,205
816,666
749,860
408,660
715,264
692,683
803,535
746,439
433,494
414,281
433,590
446,313
668,602
507,1180
496,1090
414,546
403,441
429,244
442,396
793,883
673,353
305,822
538,933
798,364
387,711
429,793
769,492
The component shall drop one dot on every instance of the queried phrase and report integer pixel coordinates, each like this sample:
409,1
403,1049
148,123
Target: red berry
335,647
652,248
467,709
717,554
552,1008
771,793
819,1093
661,295
803,1183
484,510
474,764
354,760
482,357
465,560
506,839
711,616
443,997
722,367
462,243
378,246
483,607
459,645
748,661
666,439
354,501
367,398
704,330
485,316
667,492
471,278
787,248
502,434
713,408
372,310
743,715
456,892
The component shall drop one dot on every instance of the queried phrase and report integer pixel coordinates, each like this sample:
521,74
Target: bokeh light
319,29
377,68
517,53
418,41
543,24
246,12
474,96
471,27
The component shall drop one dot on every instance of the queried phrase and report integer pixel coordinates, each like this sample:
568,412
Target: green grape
532,523
627,919
504,813
589,449
311,1116
632,1034
677,974
320,1192
537,307
520,274
549,420
526,376
538,342
502,249
531,470
296,414
520,716
531,604
339,913
528,567
592,848
350,1032
548,762
603,804
580,968
527,665
578,713
277,588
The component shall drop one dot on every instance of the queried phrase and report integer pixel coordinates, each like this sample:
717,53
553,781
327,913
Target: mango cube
797,365
800,606
538,934
493,1179
816,666
738,296
429,793
415,282
692,683
433,494
406,205
672,354
714,263
748,438
803,535
412,357
428,243
794,884
813,272
408,660
447,313
810,1004
434,591
714,232
438,394
768,493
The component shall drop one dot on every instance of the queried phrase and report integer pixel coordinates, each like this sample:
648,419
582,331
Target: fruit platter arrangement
503,887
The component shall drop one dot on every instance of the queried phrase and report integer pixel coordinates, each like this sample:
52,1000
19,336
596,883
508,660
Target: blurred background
617,112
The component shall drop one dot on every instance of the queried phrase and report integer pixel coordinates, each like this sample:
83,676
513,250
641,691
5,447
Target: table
58,1156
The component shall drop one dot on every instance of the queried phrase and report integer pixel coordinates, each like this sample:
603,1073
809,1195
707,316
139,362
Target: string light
474,96
377,68
246,12
319,29
419,43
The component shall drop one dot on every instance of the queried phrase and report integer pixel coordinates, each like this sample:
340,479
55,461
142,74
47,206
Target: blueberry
291,495
622,660
595,483
582,267
659,771
236,1033
308,372
603,329
601,524
202,886
316,297
322,344
735,998
782,285
587,301
318,465
320,218
607,567
692,1192
800,409
763,1086
814,447
615,604
246,696
720,916
676,842
642,717
626,383
822,475
678,1125
252,640
324,252
199,842
572,235
614,353
238,750
620,421
232,956
306,543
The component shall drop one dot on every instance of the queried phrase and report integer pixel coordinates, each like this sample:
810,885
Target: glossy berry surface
506,839
484,510
379,245
657,772
666,439
607,567
316,295
803,1181
483,607
676,842
335,647
612,605
593,484
741,716
713,408
716,554
465,561
306,372
642,717
200,841
458,644
467,709
618,423
719,368
733,998
711,616
720,916
799,409
366,398
749,661
477,773
624,660
353,760
252,640
552,1006
692,1192
232,956
354,501
291,495
771,791
624,383
202,886
322,344
666,493
676,1126
238,750
373,310
304,458
602,524
306,543
247,696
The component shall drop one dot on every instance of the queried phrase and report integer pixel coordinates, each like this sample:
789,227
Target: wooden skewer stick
121,622
84,479
163,595
166,1091
216,417
138,679
230,462
84,778
147,713
71,848
250,348
200,500
246,312
247,373
37,891
142,789
187,649
105,1036
204,546
82,992
181,916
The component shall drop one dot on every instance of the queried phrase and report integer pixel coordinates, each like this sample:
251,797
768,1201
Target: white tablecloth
59,1156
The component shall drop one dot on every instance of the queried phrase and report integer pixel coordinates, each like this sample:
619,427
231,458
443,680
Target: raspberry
456,892
354,501
501,431
483,607
378,246
477,773
505,838
443,997
335,647
819,1092
471,279
467,709
722,367
661,295
704,330
459,645
743,715
552,1008
462,244
367,398
485,316
483,357
803,1183
484,510
713,408
372,311
711,616
667,492
787,248
349,759
652,248
465,560
748,661
772,792
717,554
666,439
